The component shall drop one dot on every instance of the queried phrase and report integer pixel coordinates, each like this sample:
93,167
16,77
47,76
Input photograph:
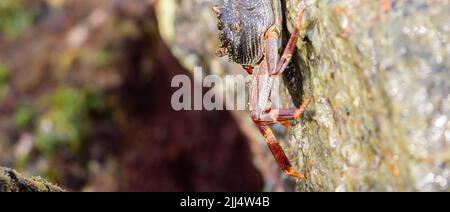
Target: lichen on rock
12,181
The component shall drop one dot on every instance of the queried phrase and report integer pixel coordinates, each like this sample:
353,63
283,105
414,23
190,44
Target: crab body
250,31
242,25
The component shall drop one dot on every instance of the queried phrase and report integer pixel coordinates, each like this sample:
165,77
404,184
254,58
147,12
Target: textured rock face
11,181
379,72
380,75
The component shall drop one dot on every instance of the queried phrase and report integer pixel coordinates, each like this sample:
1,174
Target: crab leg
264,119
278,152
289,50
280,116
275,116
261,87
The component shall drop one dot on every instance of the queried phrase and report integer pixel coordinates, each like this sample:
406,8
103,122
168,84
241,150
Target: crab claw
217,10
221,52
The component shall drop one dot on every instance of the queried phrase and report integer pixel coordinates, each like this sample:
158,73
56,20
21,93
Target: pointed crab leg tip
217,10
295,174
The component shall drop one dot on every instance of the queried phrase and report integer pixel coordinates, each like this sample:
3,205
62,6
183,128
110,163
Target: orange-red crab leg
260,92
283,115
289,50
275,116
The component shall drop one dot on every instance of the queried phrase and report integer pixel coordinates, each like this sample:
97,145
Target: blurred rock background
85,102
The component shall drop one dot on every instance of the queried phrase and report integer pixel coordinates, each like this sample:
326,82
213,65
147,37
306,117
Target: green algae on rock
11,181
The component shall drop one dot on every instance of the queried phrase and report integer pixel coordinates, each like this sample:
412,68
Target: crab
250,31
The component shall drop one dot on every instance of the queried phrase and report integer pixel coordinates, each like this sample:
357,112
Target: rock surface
11,181
379,72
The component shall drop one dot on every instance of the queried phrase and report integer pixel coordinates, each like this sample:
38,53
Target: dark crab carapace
242,26
249,33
